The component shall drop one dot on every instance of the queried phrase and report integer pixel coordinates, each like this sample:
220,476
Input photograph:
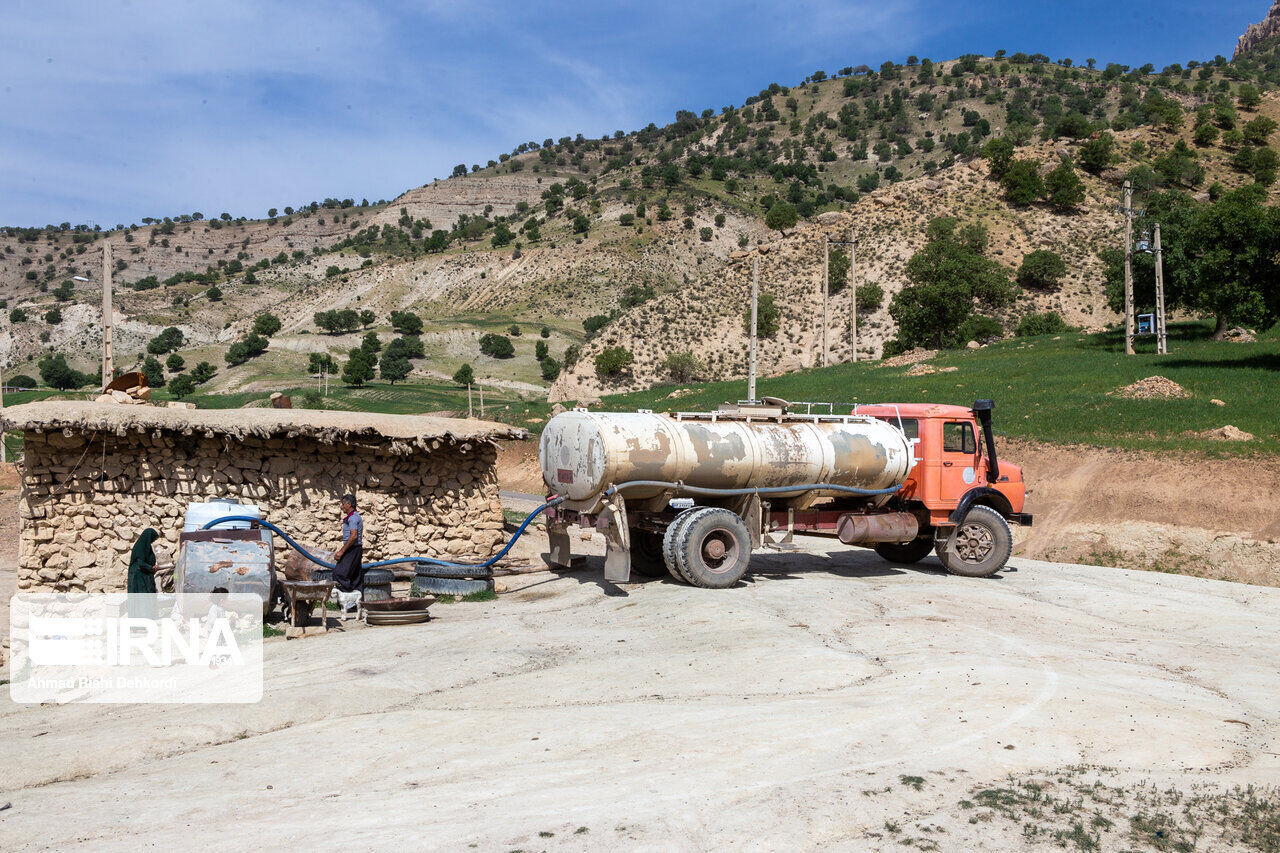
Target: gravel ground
835,701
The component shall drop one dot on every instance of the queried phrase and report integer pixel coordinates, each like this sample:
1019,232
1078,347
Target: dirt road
835,701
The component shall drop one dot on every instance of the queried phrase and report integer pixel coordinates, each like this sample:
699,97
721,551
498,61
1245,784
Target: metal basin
398,611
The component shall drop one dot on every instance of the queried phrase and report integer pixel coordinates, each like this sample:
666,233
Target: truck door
959,461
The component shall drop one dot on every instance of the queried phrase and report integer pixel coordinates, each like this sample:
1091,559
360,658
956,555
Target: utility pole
826,292
1128,268
1162,341
3,453
108,367
480,388
751,353
853,296
468,399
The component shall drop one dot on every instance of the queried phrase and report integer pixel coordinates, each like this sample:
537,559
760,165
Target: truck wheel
646,553
980,547
910,552
669,540
713,549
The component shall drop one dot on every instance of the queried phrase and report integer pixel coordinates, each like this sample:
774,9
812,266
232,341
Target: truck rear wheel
979,547
910,552
713,549
646,553
669,539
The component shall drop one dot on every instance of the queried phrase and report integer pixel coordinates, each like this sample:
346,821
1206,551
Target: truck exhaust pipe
982,411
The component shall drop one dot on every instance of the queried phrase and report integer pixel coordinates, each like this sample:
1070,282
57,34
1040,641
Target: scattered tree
406,322
612,362
153,371
948,278
181,386
781,217
266,324
359,368
497,346
550,369
1064,188
1041,270
464,375
175,362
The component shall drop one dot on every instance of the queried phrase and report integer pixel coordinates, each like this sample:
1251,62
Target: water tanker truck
693,494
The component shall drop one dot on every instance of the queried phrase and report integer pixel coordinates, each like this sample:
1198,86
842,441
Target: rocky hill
654,232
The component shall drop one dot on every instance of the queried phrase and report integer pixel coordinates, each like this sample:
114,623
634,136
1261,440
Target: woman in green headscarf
142,575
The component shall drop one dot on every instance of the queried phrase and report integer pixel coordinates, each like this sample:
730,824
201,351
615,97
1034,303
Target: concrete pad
781,713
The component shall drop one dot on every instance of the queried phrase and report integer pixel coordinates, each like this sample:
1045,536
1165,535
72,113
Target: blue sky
119,109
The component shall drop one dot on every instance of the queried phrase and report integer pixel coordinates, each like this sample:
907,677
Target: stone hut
95,475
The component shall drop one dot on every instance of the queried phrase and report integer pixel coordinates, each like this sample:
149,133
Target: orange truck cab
962,495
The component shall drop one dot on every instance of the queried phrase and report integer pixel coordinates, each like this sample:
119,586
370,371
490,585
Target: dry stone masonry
88,493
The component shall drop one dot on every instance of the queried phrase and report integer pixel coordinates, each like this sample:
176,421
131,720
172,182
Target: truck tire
713,549
910,552
646,553
669,540
982,545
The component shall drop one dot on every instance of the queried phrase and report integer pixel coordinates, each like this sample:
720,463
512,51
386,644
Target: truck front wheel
910,552
979,547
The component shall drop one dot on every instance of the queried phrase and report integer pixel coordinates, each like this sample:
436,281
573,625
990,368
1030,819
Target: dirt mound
1153,388
914,356
1225,433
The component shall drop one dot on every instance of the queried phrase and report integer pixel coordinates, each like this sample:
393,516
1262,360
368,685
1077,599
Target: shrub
550,369
497,346
545,332
53,316
683,366
594,324
214,293
513,330
175,362
18,315
22,380
613,362
768,317
1048,323
979,328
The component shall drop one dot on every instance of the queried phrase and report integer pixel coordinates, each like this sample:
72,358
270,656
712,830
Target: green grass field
1055,389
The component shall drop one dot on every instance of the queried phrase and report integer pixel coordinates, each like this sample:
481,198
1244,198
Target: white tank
583,453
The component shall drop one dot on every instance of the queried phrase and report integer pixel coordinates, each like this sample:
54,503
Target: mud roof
328,427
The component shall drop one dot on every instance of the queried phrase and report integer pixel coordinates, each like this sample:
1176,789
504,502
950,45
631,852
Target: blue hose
556,501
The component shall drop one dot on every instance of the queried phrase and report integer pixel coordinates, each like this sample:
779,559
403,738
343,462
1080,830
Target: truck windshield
910,426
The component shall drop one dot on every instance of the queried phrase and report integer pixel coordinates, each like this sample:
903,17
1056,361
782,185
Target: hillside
655,230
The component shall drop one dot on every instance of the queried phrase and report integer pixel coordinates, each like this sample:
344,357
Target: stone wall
87,497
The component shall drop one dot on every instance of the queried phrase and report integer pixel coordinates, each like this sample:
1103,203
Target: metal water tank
583,453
